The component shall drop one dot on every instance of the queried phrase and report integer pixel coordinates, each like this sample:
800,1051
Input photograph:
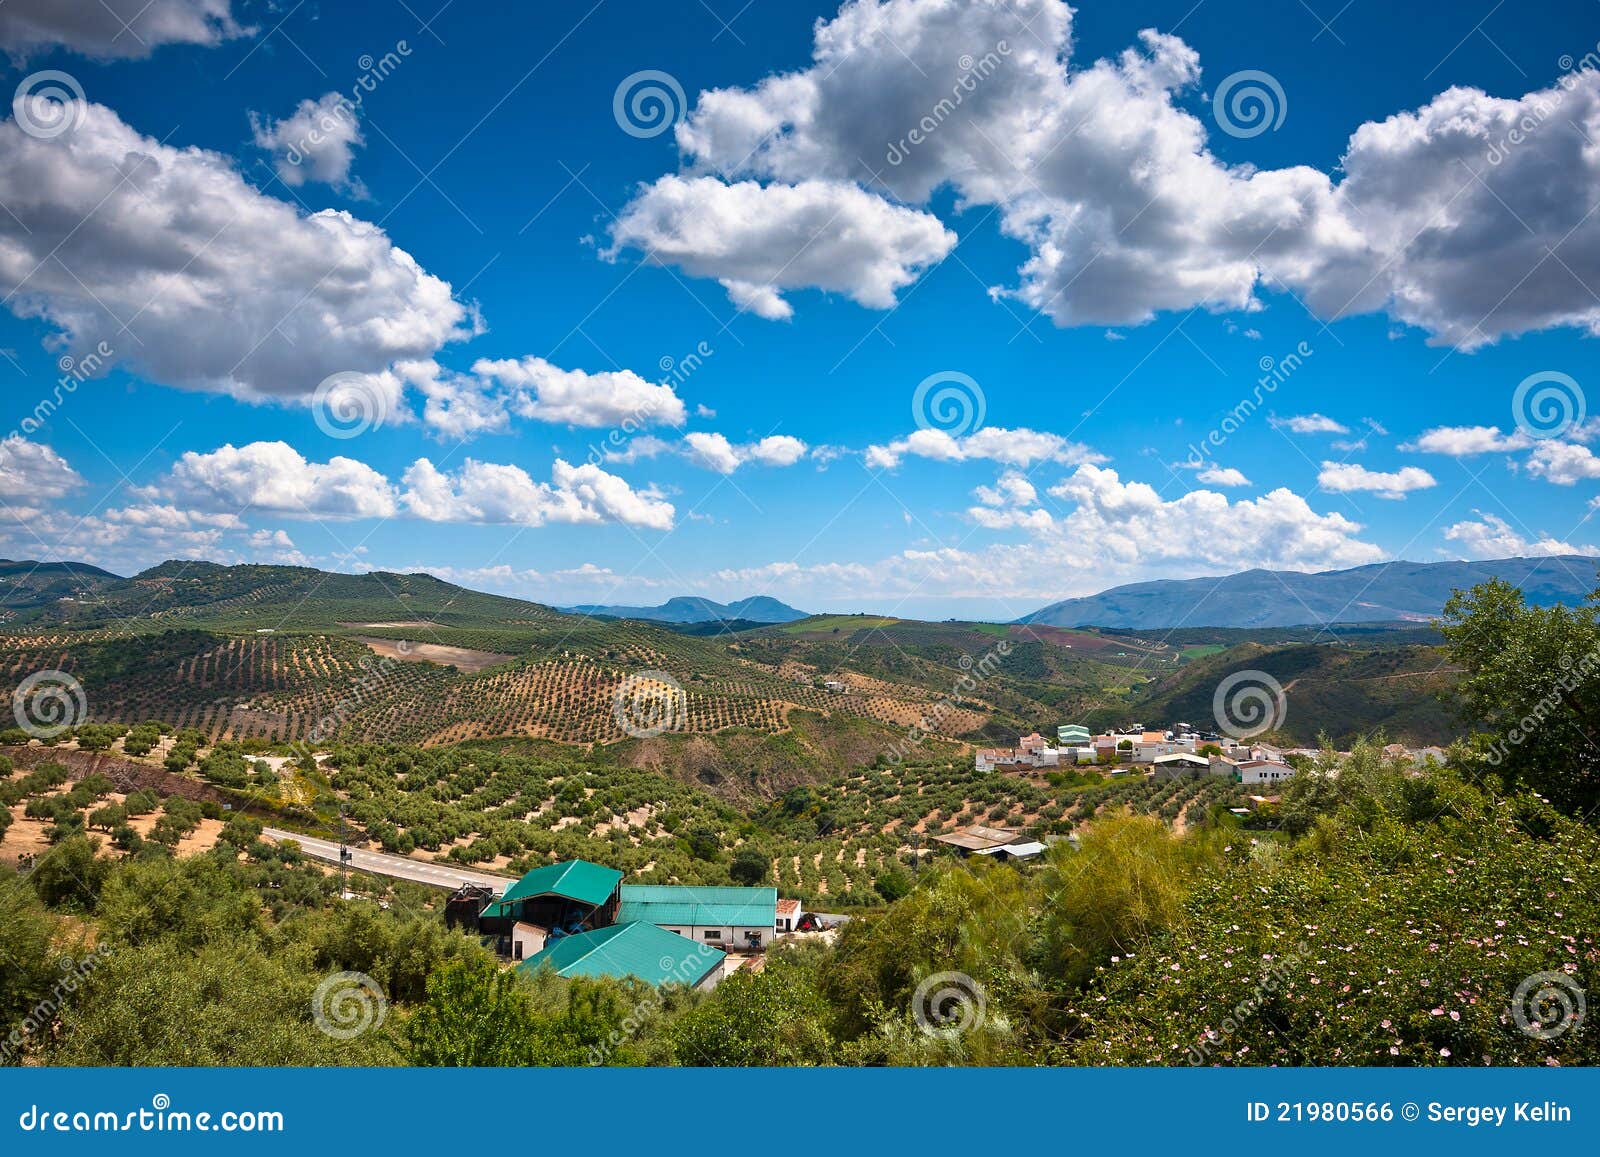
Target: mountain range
689,609
1381,592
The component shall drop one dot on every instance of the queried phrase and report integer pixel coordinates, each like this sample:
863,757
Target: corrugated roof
573,879
978,836
703,906
640,949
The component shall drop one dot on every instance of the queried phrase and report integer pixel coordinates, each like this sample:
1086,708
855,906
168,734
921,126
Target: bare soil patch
462,658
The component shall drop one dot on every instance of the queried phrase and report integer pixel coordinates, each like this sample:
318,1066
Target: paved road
379,863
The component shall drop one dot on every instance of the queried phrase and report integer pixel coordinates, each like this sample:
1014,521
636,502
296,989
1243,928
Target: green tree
704,843
71,874
1531,681
893,884
475,1016
776,1017
28,970
749,867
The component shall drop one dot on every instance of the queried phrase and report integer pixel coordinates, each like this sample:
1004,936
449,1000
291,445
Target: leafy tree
1124,884
111,816
71,875
893,884
749,867
475,1016
1531,681
776,1017
190,903
704,843
29,972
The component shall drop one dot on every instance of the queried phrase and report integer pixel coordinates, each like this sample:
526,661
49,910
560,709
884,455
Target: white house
788,915
1152,745
1264,771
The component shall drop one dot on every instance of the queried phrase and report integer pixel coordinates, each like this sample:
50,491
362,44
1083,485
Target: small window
713,934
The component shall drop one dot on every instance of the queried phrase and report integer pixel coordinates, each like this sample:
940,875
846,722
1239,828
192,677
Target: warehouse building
636,949
738,919
613,923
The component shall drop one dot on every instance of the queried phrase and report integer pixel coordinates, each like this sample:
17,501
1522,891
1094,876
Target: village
1178,751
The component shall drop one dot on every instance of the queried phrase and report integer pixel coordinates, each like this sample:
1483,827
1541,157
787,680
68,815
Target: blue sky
484,324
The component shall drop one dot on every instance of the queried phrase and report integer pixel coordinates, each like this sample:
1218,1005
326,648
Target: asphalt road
401,868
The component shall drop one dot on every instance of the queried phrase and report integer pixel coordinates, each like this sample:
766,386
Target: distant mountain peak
1377,592
694,609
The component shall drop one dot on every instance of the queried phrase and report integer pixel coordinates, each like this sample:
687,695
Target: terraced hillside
291,654
507,806
288,654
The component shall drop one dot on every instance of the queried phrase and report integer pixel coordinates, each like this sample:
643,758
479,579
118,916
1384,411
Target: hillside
1342,693
27,586
686,609
286,654
290,654
1409,591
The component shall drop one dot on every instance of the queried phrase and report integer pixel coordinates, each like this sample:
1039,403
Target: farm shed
1180,764
635,948
740,919
977,838
1020,851
572,896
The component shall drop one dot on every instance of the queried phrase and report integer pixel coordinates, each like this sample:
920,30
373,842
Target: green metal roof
653,954
713,906
573,879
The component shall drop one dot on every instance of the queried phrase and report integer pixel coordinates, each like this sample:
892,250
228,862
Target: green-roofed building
572,896
740,918
634,948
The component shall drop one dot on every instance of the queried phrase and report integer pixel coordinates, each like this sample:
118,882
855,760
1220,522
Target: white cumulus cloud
221,287
483,492
1348,477
114,28
1492,537
1099,168
317,142
760,241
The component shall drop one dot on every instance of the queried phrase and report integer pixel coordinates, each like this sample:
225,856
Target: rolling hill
28,586
1382,592
279,655
1335,691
